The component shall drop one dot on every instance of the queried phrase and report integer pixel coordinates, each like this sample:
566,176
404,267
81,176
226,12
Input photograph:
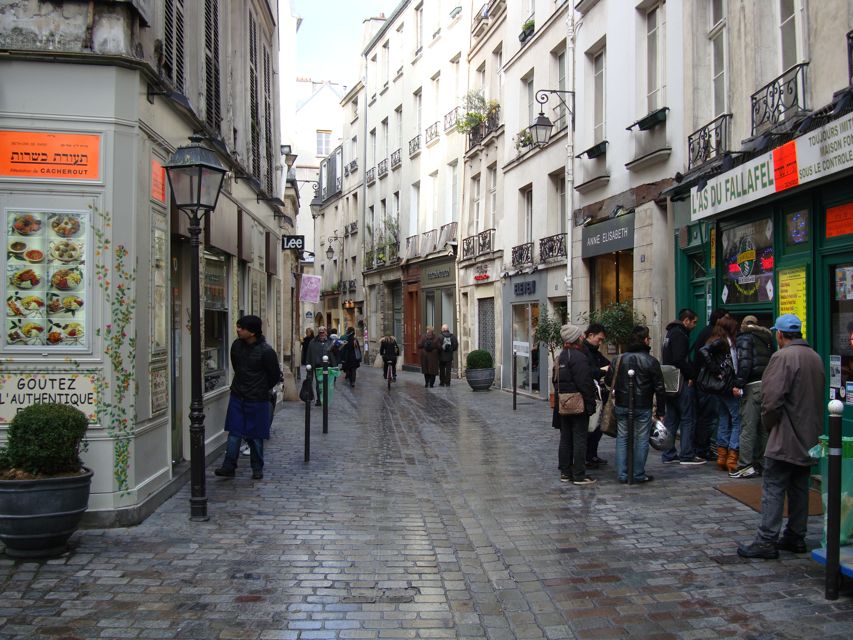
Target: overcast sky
329,41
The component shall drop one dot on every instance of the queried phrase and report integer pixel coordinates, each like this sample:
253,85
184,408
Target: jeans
681,413
444,372
572,452
707,415
753,435
728,431
232,452
782,478
642,428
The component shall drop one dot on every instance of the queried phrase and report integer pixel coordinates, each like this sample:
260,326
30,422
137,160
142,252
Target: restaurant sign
18,391
44,155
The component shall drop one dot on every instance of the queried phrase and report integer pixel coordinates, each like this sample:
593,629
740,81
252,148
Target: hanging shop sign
439,274
525,288
822,152
608,236
50,156
158,182
792,293
21,390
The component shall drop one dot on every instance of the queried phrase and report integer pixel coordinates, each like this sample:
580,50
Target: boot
722,456
731,461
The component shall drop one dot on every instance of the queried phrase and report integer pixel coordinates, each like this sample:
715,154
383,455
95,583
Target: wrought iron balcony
396,161
781,98
485,241
552,247
428,240
850,58
476,136
522,254
451,118
393,251
431,132
351,286
346,170
709,142
414,145
493,120
446,235
469,247
383,168
412,247
353,228
371,175
353,166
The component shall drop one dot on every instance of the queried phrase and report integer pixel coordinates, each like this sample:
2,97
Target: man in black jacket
754,346
256,372
680,410
448,345
594,336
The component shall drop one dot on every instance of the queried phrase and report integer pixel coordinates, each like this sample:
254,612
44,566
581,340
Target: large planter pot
37,517
480,379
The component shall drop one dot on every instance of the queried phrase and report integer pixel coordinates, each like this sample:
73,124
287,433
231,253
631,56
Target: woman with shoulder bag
575,402
716,378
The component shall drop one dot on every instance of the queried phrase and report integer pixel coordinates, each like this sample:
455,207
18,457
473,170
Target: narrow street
427,513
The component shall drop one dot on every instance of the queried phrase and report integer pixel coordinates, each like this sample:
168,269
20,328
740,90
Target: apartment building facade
104,254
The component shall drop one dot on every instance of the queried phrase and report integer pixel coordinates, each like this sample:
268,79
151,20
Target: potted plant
619,319
480,370
547,332
44,487
527,29
523,139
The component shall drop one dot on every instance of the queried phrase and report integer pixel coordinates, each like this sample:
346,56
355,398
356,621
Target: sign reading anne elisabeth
50,156
616,234
23,389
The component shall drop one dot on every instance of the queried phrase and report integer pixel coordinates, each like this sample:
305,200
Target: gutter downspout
570,159
362,213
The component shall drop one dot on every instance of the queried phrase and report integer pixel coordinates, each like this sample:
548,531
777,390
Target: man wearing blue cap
793,393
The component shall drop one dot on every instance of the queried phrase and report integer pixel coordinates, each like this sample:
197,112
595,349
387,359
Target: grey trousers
781,479
753,435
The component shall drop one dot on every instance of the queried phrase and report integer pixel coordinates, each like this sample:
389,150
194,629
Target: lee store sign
814,155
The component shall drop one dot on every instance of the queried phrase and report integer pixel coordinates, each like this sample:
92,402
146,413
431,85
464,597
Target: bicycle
388,373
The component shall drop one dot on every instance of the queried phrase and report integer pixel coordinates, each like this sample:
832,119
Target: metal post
833,501
308,375
631,434
325,394
514,381
198,497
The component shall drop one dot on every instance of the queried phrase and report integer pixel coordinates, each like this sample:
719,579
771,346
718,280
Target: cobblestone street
427,513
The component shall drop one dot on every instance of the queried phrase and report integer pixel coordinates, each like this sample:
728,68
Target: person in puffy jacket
350,356
249,415
572,374
754,346
429,346
389,350
649,393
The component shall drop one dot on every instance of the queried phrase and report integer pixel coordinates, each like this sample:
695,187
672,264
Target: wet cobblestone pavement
427,513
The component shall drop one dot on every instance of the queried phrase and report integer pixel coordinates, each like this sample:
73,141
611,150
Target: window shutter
213,105
173,43
268,142
255,125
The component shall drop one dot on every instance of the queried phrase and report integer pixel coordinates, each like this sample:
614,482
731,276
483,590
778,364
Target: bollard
833,502
309,376
514,374
631,434
325,394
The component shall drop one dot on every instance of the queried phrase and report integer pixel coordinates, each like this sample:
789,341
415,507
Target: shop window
612,278
216,325
748,263
841,323
797,234
160,306
525,319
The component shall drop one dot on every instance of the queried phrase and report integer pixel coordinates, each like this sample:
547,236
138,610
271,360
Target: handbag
608,411
671,380
570,404
717,379
357,352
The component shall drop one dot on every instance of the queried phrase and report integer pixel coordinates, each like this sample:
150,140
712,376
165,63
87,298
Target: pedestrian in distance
350,356
706,410
249,415
649,394
572,374
319,347
429,346
389,350
680,410
716,377
306,341
754,346
792,394
594,336
448,346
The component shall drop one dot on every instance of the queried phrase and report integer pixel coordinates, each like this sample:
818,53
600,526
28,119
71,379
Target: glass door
525,318
841,331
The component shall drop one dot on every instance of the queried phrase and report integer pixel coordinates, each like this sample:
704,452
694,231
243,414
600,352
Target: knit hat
748,320
252,324
570,333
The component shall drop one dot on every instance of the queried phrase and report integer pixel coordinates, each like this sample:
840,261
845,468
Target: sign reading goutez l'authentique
23,389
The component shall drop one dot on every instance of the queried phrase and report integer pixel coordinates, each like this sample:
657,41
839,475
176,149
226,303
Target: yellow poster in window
792,293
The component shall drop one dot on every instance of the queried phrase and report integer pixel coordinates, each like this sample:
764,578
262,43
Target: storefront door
837,345
525,318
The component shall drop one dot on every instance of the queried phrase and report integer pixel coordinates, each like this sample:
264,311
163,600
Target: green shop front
774,235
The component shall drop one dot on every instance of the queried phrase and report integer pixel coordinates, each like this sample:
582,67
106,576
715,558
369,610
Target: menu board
45,279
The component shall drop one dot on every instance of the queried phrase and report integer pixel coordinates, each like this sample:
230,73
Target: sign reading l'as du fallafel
20,390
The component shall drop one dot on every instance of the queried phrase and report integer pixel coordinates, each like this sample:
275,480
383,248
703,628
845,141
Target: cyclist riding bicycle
389,350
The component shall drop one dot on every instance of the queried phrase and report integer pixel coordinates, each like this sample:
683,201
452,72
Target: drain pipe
570,158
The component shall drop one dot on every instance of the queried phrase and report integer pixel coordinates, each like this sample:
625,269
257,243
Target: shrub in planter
479,371
479,359
44,440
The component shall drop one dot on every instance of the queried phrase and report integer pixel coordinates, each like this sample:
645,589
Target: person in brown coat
429,346
792,390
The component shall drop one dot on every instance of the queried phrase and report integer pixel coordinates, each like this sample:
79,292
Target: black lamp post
541,127
195,179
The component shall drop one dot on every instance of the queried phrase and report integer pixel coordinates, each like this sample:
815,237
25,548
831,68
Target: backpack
447,344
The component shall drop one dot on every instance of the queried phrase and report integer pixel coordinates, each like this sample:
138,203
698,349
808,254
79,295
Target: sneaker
224,473
694,461
791,544
748,472
565,478
591,465
584,481
597,460
644,479
244,449
257,475
763,550
673,461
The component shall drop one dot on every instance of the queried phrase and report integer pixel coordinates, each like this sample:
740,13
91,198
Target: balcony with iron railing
415,145
708,143
551,247
432,133
382,168
485,15
351,286
522,254
469,247
396,160
353,166
485,241
412,246
446,235
489,126
371,175
451,118
782,98
353,228
428,241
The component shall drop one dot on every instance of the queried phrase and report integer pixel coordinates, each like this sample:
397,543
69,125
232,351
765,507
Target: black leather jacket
575,376
648,379
754,347
256,370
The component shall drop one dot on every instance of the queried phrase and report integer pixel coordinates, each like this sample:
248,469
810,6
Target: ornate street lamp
541,127
195,180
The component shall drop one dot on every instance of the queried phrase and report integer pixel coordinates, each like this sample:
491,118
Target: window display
46,279
216,326
748,263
